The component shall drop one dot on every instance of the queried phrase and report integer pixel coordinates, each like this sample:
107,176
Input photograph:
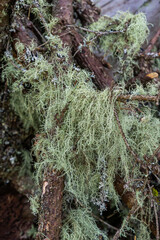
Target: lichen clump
132,31
77,130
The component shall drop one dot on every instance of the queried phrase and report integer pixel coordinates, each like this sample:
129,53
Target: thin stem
153,41
98,218
155,212
99,33
131,212
137,98
155,152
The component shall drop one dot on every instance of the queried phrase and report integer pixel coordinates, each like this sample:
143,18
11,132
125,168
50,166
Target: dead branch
98,218
156,152
98,33
102,77
143,98
155,212
87,12
149,55
153,41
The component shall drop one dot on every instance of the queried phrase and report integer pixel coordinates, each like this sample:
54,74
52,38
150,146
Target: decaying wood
15,215
24,32
50,219
71,38
87,12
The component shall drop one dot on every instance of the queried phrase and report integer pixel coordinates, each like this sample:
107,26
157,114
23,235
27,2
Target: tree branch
102,76
143,98
87,12
153,41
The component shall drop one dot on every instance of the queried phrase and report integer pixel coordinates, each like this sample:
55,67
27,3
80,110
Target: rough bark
64,12
102,77
50,221
86,11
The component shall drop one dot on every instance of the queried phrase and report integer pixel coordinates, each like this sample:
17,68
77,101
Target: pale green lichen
25,169
78,133
133,32
79,225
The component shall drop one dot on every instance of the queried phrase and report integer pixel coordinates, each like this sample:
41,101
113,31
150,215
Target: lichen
77,130
79,225
133,32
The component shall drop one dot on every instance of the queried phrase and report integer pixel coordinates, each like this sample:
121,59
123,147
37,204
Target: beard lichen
84,142
131,32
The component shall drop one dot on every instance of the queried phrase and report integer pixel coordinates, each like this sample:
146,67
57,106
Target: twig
149,55
29,12
36,5
155,152
157,223
153,41
98,33
137,98
124,138
131,212
98,218
154,168
105,223
155,212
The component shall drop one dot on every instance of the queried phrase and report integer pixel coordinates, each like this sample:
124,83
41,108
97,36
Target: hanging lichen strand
77,130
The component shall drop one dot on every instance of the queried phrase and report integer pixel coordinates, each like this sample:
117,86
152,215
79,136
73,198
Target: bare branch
153,41
137,98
